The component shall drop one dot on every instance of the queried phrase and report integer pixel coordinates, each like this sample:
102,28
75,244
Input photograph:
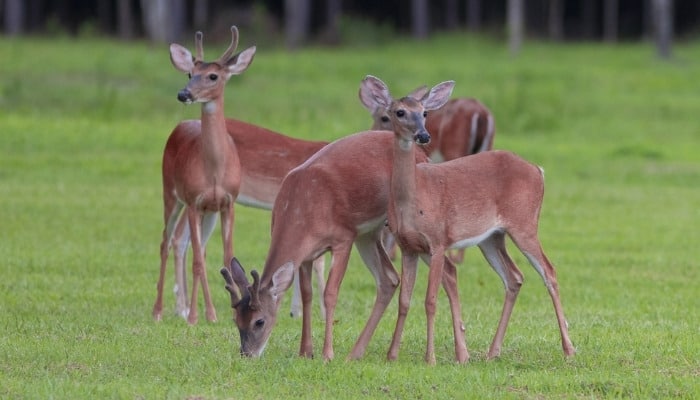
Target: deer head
406,114
256,307
208,79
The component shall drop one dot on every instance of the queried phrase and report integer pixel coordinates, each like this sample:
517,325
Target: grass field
83,124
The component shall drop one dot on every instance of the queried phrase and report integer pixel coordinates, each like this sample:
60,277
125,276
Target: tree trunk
14,14
663,15
556,20
451,14
474,15
589,11
104,16
333,11
125,20
200,14
516,24
163,20
297,15
611,11
419,19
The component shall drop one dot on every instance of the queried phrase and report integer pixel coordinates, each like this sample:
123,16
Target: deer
265,158
336,198
475,200
201,166
461,127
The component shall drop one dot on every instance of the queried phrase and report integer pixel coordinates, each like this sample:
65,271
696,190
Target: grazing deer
475,200
336,198
201,167
461,127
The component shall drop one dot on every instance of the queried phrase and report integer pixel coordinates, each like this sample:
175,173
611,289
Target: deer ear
374,94
282,278
438,96
181,58
241,61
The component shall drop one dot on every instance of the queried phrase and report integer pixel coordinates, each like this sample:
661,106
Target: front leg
437,264
449,282
409,265
306,345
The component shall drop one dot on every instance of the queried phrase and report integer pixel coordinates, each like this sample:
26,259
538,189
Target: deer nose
422,137
184,96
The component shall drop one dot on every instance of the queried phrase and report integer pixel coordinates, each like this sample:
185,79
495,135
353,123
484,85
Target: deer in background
475,200
336,198
201,168
265,158
461,127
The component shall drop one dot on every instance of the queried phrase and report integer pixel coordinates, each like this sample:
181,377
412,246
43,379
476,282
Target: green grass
83,124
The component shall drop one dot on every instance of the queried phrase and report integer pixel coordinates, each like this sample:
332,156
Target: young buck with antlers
475,200
461,127
201,167
337,197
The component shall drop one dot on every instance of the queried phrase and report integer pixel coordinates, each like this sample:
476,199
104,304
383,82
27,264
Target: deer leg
377,261
437,264
165,243
339,264
494,250
319,266
306,345
532,249
449,282
409,265
295,308
180,243
195,223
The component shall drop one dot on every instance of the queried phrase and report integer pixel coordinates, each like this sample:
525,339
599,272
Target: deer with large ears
475,200
462,127
201,167
336,198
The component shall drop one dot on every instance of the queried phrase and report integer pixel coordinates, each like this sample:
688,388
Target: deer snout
185,96
422,137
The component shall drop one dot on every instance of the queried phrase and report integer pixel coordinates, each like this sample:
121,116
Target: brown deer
265,158
461,127
475,200
336,198
201,167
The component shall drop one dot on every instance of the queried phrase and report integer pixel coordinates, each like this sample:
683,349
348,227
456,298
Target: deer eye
400,113
189,75
213,77
385,118
425,114
259,323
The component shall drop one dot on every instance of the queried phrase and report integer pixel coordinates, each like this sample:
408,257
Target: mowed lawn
83,124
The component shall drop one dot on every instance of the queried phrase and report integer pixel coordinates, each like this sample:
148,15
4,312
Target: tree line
301,22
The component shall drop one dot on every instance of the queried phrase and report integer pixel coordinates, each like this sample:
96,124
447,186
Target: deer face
256,308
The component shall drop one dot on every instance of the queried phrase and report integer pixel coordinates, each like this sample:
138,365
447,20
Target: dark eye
400,113
213,77
425,114
189,75
385,118
259,323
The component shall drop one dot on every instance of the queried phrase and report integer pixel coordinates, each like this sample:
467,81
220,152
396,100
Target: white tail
469,201
265,158
461,127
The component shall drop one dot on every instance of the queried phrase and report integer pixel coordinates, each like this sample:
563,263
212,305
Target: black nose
184,96
422,137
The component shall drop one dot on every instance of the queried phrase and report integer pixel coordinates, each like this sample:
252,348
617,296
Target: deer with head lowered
462,127
475,200
265,157
336,198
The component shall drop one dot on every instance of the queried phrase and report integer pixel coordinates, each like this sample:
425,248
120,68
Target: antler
198,46
232,47
253,290
235,276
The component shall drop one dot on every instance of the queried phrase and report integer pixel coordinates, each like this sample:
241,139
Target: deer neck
216,143
403,185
